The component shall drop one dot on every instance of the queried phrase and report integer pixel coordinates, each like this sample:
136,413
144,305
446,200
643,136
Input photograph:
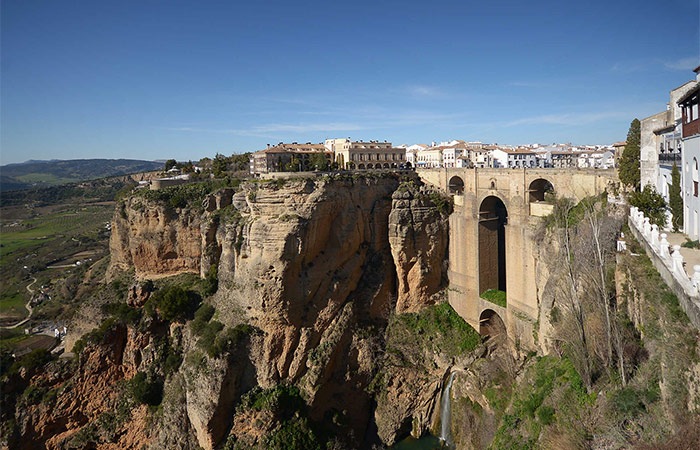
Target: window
694,111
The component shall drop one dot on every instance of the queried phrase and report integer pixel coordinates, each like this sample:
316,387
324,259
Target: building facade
363,155
514,159
690,141
287,157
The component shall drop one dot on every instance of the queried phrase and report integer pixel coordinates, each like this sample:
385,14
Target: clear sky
186,79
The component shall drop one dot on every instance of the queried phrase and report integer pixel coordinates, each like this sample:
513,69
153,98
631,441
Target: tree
651,203
628,169
219,165
319,161
675,199
169,164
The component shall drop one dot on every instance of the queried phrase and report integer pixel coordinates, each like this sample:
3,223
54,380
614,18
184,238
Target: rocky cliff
315,266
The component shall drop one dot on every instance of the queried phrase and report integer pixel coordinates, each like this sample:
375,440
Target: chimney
697,73
268,145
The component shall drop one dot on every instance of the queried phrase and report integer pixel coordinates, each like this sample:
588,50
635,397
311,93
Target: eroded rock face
83,394
418,234
317,265
155,240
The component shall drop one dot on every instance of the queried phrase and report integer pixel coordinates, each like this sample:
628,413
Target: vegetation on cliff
629,383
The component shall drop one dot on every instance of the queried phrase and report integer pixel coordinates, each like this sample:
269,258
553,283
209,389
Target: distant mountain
37,174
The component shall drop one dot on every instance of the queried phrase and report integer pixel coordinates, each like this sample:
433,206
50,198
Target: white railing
670,256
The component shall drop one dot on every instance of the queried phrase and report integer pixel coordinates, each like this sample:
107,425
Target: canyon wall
317,265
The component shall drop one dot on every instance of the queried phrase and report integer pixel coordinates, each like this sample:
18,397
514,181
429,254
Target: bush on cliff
210,284
436,327
172,302
146,390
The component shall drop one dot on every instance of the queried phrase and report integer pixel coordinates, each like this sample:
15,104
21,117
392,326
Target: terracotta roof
296,148
620,144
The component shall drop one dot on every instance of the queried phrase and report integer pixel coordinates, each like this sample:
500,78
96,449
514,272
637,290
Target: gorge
329,312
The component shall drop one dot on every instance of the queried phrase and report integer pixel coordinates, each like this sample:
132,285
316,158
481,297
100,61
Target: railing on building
669,262
670,158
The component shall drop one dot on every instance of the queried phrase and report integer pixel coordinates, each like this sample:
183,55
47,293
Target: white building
660,143
514,159
690,139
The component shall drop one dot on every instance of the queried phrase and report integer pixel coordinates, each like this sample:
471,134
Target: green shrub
294,434
33,394
201,318
122,312
146,391
651,203
32,361
173,302
690,244
207,340
546,415
210,284
281,398
96,336
630,401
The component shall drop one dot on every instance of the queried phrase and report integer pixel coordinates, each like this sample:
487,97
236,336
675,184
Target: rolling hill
37,174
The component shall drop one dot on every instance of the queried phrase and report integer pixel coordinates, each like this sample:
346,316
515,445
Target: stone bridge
491,240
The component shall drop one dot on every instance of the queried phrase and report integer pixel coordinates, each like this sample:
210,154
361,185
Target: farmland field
32,239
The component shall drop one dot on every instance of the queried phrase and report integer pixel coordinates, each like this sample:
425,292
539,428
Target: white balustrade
646,228
655,237
664,246
696,279
678,262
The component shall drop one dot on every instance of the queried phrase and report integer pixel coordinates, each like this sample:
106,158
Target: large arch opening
493,217
456,185
538,189
491,325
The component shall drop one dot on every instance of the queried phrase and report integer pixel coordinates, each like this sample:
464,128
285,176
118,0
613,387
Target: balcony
691,128
670,158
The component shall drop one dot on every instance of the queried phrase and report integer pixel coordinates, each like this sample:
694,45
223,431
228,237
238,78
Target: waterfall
445,419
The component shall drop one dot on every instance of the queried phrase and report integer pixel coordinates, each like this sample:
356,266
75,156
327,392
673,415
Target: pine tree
628,169
675,200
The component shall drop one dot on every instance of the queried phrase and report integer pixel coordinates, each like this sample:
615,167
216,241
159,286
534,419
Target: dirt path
28,306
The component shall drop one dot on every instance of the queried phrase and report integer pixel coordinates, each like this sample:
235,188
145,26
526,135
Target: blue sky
174,79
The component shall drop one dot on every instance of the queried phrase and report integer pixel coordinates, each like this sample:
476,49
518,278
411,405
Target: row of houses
475,154
346,154
673,137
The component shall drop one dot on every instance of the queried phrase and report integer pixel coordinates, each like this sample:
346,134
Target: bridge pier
523,195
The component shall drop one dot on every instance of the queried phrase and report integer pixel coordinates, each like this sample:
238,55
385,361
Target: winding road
28,306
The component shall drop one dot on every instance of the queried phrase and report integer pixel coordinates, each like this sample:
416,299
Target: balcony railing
670,158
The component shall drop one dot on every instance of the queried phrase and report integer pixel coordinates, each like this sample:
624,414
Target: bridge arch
493,217
491,325
456,185
539,188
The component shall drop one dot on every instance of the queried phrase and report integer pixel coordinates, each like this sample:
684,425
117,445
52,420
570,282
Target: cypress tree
628,169
675,200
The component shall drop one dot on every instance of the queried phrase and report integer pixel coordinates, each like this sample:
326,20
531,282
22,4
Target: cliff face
318,266
156,241
68,404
